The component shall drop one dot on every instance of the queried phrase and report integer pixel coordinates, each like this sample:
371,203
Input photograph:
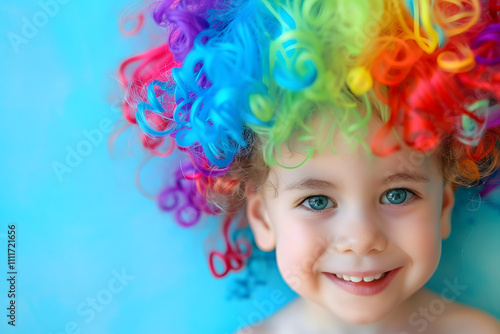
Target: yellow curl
359,80
449,61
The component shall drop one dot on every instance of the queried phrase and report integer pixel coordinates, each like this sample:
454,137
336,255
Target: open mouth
357,279
363,285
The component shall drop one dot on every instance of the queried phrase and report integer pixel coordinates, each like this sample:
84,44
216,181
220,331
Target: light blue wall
77,232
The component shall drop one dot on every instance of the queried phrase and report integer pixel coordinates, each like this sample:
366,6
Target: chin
362,317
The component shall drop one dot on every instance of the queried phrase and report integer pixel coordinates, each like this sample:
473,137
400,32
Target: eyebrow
310,183
317,184
407,175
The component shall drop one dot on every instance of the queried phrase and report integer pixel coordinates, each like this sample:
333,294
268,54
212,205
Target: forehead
343,160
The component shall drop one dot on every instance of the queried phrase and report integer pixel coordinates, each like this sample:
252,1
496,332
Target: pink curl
169,151
129,15
140,22
152,65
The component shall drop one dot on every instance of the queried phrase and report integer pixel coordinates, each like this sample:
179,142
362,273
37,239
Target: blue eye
317,203
398,196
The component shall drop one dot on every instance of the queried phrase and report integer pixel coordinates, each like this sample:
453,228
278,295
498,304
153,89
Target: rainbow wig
235,80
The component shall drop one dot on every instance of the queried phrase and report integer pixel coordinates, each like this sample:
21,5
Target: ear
258,219
447,208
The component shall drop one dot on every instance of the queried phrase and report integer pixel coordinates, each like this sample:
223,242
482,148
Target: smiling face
354,233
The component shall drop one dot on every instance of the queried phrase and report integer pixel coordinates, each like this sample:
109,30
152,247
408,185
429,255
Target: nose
361,234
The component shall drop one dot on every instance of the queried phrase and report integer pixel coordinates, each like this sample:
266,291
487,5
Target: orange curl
203,184
395,60
457,62
457,16
468,169
224,186
485,146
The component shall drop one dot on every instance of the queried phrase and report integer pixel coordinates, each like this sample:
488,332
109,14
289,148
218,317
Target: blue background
78,230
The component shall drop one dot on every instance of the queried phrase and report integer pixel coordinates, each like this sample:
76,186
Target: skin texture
359,230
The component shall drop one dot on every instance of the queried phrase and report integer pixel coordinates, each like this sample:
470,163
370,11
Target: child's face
347,214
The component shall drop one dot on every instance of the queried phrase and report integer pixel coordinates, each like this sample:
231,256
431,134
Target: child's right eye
318,203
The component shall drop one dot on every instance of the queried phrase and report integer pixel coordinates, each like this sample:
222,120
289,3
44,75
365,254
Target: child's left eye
398,196
318,203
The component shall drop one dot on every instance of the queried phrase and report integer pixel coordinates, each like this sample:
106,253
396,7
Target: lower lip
364,288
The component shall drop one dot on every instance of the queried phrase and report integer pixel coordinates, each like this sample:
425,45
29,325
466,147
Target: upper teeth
357,279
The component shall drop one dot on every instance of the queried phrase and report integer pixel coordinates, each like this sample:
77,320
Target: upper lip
361,273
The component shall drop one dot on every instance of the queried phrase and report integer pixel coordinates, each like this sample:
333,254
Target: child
357,238
342,129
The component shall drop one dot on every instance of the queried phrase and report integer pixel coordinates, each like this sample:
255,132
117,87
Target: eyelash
405,203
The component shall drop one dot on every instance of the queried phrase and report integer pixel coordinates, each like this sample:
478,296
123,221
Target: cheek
420,239
293,246
425,251
297,250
